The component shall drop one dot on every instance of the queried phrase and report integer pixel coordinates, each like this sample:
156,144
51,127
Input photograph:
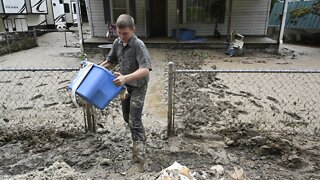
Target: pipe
283,23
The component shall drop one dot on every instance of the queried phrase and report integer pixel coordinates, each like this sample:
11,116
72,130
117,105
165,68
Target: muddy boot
138,155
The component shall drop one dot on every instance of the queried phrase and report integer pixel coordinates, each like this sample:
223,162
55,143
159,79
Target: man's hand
124,94
120,80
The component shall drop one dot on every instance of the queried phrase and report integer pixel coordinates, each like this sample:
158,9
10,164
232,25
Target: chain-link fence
285,101
38,98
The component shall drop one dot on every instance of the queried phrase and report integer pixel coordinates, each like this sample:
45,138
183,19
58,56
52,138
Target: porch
259,43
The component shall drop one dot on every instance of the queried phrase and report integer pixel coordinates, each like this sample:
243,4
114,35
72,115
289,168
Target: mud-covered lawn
209,132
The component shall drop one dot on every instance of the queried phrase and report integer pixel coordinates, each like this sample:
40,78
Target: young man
134,60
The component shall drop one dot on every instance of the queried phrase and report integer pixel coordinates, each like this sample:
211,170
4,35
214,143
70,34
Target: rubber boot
138,155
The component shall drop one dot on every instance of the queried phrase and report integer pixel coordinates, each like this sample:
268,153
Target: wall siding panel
99,27
248,17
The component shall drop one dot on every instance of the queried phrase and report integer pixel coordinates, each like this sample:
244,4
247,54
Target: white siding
172,6
249,17
99,28
34,20
140,18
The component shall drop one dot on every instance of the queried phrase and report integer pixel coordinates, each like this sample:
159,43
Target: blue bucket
97,87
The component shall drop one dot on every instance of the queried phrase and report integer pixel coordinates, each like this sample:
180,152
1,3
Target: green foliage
201,54
272,4
296,13
82,57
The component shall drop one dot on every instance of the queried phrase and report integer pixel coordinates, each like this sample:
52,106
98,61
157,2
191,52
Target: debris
176,171
59,170
36,97
295,161
50,104
106,162
217,170
228,141
238,174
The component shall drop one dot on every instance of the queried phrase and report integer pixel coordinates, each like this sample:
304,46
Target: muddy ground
211,122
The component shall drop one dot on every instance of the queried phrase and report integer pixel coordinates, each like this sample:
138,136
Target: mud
207,126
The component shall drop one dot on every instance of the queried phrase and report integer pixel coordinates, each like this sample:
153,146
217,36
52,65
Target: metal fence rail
285,101
37,97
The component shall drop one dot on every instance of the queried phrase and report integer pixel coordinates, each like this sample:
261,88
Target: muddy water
155,103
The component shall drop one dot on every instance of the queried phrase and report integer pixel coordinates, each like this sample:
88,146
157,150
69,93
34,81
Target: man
134,60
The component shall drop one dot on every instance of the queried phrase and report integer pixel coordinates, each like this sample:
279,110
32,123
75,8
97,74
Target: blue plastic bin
184,34
97,87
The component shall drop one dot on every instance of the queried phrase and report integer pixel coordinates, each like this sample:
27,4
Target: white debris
217,170
176,172
238,174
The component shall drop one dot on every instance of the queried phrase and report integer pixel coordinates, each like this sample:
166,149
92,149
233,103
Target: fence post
34,32
65,38
170,130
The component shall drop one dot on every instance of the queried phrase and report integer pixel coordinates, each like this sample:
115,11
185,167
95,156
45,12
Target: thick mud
208,134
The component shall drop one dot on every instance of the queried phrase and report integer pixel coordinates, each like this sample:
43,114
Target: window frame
184,15
112,8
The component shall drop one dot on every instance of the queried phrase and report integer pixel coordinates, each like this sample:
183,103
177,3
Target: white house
158,17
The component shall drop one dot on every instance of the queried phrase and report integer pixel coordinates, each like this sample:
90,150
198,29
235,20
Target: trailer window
66,8
74,8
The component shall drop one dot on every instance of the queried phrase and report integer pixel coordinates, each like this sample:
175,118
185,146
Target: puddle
155,102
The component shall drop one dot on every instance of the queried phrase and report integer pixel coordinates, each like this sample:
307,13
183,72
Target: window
204,11
74,8
66,8
119,7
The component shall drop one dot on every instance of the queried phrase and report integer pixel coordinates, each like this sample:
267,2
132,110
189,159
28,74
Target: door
58,11
157,14
21,24
9,25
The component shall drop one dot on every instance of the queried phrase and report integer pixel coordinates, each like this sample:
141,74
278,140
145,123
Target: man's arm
111,59
138,74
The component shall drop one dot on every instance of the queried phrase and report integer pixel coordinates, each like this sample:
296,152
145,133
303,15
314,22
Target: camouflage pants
132,111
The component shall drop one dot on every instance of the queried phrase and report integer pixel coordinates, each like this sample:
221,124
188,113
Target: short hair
125,20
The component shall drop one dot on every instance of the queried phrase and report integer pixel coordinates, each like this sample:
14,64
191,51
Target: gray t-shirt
130,58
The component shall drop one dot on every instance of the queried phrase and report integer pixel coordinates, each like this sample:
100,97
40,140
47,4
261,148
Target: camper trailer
23,15
61,13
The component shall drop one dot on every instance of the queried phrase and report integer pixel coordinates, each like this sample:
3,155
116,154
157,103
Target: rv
23,15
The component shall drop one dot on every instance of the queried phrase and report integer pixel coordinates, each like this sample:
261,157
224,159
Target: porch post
88,7
79,20
229,21
178,20
283,23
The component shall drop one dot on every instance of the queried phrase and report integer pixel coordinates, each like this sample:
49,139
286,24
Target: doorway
157,14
